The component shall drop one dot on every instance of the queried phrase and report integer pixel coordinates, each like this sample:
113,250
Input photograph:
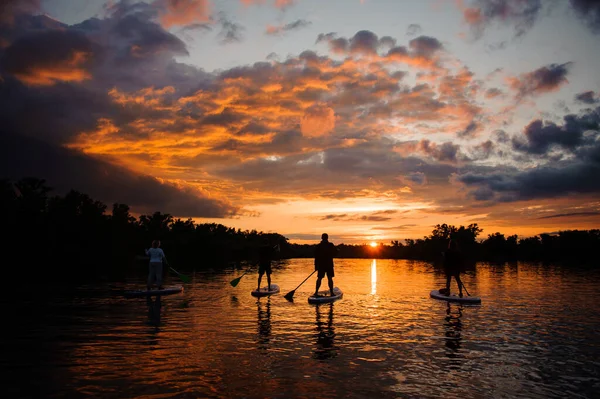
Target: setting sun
373,244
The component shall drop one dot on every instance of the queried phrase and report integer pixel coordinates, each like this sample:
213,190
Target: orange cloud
318,120
184,12
69,70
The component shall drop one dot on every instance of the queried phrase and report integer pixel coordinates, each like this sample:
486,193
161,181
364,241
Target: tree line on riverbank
73,236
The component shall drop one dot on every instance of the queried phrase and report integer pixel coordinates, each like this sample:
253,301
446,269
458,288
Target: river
535,335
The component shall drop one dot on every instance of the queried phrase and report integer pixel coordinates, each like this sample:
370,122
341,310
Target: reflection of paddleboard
455,298
164,291
325,296
265,291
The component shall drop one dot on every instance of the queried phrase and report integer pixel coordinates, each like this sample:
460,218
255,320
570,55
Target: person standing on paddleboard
155,273
324,254
452,265
265,255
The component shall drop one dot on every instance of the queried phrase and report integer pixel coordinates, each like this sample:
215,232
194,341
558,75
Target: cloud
281,29
45,58
588,97
589,11
540,137
576,174
569,215
64,170
446,152
9,9
379,216
183,12
231,32
413,29
281,4
521,15
318,120
543,80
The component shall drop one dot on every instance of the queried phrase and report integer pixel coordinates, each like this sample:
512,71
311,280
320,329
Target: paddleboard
435,294
265,291
143,293
326,297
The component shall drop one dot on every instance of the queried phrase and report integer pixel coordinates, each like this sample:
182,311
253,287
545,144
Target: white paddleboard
325,296
265,291
435,294
142,293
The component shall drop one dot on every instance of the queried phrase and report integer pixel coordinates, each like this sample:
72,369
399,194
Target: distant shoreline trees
73,237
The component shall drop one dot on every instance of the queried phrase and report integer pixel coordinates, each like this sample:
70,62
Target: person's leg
260,274
269,279
459,282
330,281
150,276
319,277
448,279
159,275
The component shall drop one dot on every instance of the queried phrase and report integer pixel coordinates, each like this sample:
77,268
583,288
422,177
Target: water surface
534,336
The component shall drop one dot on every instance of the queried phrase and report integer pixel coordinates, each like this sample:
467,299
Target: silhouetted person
452,266
265,255
324,254
155,273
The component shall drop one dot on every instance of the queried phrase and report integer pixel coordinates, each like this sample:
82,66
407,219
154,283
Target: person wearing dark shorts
265,254
324,254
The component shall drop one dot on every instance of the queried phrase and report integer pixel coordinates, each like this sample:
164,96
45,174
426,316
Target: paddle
465,288
236,281
183,277
290,295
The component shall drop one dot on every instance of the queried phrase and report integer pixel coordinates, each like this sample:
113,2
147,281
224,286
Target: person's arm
147,252
163,256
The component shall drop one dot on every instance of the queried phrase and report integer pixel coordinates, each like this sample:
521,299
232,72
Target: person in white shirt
157,256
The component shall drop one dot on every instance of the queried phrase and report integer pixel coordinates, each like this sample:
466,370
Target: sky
370,120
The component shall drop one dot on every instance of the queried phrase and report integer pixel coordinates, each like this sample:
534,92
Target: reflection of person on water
157,256
453,327
325,334
452,265
154,308
265,255
264,323
324,254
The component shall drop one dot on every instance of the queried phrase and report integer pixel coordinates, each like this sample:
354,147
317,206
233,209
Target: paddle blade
235,282
185,278
290,295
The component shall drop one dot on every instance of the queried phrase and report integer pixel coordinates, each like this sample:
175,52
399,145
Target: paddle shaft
291,293
183,277
465,288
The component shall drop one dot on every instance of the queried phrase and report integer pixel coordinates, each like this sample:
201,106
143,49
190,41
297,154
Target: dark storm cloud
558,180
9,9
588,97
47,57
539,137
576,174
56,83
64,170
589,11
521,15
